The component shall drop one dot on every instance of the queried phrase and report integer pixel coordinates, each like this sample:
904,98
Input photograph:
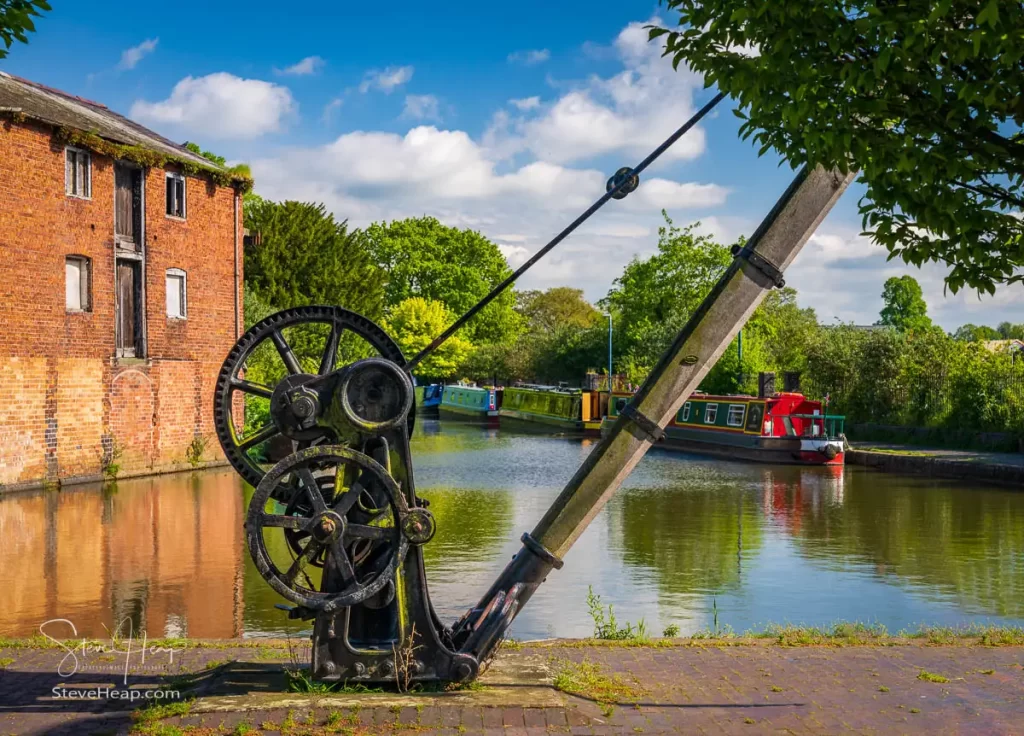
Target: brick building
120,277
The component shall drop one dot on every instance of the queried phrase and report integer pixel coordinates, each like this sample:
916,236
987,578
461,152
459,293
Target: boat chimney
791,381
765,384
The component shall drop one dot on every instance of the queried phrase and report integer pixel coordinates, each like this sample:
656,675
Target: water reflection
686,536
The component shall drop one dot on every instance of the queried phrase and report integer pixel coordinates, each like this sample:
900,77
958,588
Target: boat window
754,417
788,424
620,404
735,418
710,413
686,412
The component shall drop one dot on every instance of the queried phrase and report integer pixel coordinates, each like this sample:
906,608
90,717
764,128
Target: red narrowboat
779,428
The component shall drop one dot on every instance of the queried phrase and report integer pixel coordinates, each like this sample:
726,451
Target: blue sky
504,118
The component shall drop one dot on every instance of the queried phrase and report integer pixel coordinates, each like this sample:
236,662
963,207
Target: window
175,195
735,418
686,412
76,283
710,413
77,173
176,304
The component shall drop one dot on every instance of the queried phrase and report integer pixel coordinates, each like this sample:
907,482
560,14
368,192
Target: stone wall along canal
685,538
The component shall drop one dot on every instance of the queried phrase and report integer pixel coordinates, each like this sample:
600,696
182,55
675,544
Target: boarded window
711,414
128,206
176,195
77,173
175,293
76,284
128,309
735,418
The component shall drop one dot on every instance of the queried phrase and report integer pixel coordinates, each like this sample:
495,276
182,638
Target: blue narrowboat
471,402
428,398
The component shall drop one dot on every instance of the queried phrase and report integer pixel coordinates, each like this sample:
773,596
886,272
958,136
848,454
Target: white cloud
527,103
516,255
330,109
220,105
422,107
530,57
841,274
131,57
309,65
630,112
386,80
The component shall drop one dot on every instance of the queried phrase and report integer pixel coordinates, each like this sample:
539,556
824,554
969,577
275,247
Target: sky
504,118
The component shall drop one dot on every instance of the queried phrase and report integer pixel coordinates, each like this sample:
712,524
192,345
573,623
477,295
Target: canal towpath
1004,468
741,686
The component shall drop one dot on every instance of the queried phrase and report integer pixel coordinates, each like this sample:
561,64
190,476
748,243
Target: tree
975,333
414,323
559,306
16,21
923,97
305,257
654,297
422,257
1010,331
904,306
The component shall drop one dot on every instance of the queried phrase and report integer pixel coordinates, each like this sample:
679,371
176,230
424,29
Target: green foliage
605,625
195,451
1010,331
653,298
305,257
671,631
924,98
16,21
557,308
194,147
904,306
238,177
414,323
422,257
976,333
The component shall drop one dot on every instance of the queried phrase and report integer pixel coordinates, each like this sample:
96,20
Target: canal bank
1001,468
878,685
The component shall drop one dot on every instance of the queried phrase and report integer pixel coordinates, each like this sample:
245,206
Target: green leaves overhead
16,21
925,99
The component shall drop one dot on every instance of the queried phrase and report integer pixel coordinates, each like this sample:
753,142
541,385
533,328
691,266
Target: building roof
997,345
61,109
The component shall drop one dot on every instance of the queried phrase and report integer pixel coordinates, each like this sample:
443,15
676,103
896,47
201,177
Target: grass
931,677
588,680
605,625
300,681
147,718
889,451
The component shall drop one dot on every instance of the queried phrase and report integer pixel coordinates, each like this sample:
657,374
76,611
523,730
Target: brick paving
743,689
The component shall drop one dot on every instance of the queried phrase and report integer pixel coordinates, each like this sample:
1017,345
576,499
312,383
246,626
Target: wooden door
126,312
124,222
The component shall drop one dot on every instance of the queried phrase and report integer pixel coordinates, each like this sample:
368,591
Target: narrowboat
784,428
428,398
471,402
569,409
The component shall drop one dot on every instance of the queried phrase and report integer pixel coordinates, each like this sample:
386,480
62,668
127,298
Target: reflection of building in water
164,553
789,493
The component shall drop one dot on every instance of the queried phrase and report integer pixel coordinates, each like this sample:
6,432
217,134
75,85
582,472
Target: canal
688,541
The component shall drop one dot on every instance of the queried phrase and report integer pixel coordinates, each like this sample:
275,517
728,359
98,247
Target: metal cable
623,183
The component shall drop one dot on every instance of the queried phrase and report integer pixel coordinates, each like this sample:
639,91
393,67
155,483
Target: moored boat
778,428
569,409
428,398
472,402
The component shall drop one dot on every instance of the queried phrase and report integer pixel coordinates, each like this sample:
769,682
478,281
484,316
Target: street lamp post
609,316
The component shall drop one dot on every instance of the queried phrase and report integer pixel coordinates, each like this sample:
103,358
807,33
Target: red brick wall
67,400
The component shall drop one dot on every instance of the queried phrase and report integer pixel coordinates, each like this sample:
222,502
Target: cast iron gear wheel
236,447
328,528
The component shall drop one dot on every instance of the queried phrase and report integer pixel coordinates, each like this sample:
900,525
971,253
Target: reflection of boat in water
784,428
472,402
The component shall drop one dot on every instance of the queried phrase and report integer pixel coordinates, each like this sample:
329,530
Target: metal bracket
645,424
541,551
762,264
